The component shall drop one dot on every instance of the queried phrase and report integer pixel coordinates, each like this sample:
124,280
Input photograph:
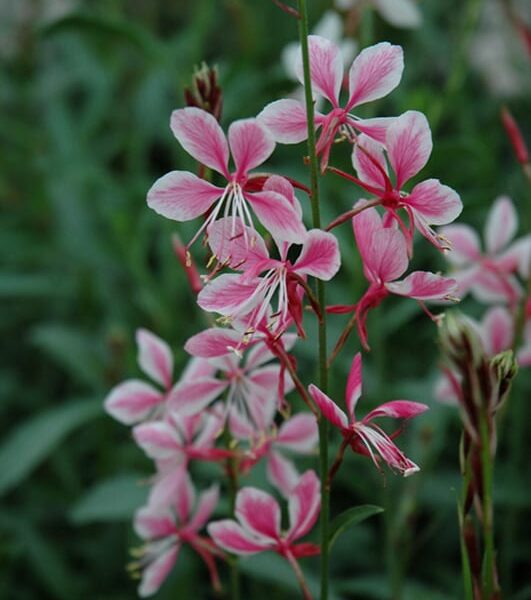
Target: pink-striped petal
259,513
166,485
465,244
151,523
365,225
423,285
368,160
278,216
490,287
375,128
232,537
155,574
354,383
191,397
181,196
132,401
197,367
516,258
154,357
185,497
501,225
285,120
329,409
212,342
304,505
375,72
397,409
251,145
282,186
227,294
201,136
236,245
386,254
437,203
299,433
157,439
409,145
282,473
326,68
497,330
320,255
206,505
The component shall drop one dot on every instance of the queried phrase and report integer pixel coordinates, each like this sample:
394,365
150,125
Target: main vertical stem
323,370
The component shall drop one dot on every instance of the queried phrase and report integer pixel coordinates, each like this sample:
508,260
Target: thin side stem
232,475
323,369
299,575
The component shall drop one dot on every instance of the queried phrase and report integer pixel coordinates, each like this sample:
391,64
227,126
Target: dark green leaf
349,518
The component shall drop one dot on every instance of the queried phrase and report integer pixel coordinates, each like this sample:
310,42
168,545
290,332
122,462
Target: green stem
232,476
323,370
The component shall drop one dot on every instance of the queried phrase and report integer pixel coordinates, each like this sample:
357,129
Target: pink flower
182,196
248,295
384,255
408,143
166,530
375,72
258,525
365,436
489,276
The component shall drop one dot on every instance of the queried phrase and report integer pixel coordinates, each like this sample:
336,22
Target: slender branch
342,339
283,356
287,9
352,213
339,459
299,575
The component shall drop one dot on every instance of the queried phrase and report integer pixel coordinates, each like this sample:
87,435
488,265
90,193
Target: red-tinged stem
368,188
284,358
287,9
299,575
342,339
337,462
352,213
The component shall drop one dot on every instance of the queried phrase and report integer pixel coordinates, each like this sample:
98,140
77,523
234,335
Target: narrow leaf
349,518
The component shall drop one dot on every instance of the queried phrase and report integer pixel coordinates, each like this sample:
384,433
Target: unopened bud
504,367
205,91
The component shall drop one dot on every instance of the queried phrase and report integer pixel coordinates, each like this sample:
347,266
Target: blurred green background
86,91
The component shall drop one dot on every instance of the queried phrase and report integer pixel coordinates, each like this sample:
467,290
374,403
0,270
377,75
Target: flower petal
385,255
319,256
151,523
423,285
497,330
205,507
278,216
437,203
212,342
354,383
409,145
155,574
304,505
368,160
227,295
490,286
184,499
329,409
375,72
232,537
157,439
397,409
154,357
259,513
375,128
501,225
400,13
465,244
326,67
132,401
286,121
201,136
191,397
281,472
182,196
197,367
251,144
299,433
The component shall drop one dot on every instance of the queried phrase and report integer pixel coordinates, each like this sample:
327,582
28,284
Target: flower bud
205,91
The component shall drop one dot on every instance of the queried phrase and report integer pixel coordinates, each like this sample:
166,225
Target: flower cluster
231,404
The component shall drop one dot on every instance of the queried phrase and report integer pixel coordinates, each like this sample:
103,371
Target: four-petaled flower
365,436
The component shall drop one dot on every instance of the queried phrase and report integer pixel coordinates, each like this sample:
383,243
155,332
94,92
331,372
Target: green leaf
114,499
35,439
349,518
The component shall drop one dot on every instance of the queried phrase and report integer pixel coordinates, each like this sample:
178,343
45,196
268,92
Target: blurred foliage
86,90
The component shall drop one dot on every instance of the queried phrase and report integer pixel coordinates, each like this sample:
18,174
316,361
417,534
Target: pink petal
201,136
197,367
150,523
282,473
232,537
465,244
326,68
166,486
157,439
227,294
208,501
282,186
251,145
259,513
319,256
423,285
278,216
397,409
258,355
437,203
299,433
329,409
366,152
501,225
409,145
304,505
191,397
445,390
236,245
386,254
489,287
365,225
516,258
211,427
497,330
154,357
155,574
185,497
375,128
375,72
354,383
212,342
132,401
286,121
182,196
